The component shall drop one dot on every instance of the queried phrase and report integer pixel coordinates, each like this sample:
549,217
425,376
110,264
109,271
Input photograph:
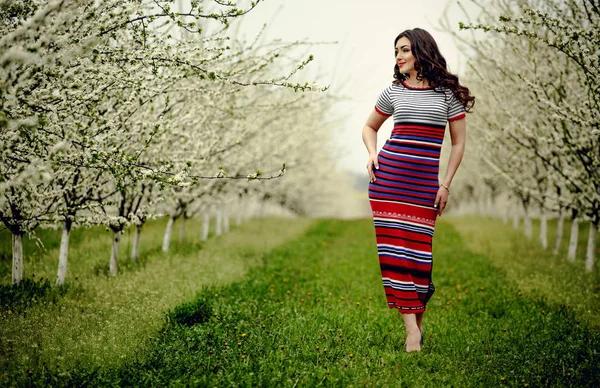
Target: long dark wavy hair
430,64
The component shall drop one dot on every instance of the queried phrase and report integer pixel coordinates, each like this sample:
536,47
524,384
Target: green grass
537,272
314,314
102,320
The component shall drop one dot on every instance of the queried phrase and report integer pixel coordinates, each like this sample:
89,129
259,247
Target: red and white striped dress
403,195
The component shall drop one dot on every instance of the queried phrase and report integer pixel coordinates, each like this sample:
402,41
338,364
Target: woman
404,191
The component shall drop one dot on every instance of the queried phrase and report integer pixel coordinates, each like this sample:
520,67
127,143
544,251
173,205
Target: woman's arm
458,134
369,136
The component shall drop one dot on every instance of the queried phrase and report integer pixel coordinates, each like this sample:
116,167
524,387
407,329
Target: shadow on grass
18,297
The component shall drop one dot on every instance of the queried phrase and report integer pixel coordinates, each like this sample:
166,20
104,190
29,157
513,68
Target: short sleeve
456,110
384,103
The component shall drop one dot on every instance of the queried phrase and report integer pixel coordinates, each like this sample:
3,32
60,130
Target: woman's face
404,56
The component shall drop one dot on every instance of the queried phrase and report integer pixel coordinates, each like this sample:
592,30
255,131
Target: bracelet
446,187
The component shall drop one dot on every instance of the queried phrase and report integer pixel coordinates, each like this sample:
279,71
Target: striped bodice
419,107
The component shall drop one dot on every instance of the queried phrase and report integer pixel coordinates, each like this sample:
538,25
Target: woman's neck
412,81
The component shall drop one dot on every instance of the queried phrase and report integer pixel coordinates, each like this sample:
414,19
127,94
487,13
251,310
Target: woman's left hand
441,199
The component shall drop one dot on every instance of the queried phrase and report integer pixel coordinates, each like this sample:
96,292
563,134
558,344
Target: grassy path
104,320
315,315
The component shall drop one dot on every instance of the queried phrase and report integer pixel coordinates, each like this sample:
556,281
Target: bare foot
413,341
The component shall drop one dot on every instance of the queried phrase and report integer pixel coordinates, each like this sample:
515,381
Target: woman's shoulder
446,90
387,92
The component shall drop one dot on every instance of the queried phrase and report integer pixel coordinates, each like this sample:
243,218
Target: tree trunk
17,259
505,216
527,225
135,249
205,226
238,219
219,223
544,230
559,232
573,240
182,229
168,233
591,247
226,222
515,223
63,253
114,254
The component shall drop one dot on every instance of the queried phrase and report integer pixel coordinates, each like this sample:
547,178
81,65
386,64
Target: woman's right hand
372,165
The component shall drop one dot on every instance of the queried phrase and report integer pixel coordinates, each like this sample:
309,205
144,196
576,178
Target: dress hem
403,310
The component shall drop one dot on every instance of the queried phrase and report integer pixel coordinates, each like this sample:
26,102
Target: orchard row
535,71
115,112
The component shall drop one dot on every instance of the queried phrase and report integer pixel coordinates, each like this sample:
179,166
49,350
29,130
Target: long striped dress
403,195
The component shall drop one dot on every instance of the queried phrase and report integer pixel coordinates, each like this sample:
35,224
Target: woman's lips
401,64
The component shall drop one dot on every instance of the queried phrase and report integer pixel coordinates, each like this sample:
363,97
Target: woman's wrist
446,187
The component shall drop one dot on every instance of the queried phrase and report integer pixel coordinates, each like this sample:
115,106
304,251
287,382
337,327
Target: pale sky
361,65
